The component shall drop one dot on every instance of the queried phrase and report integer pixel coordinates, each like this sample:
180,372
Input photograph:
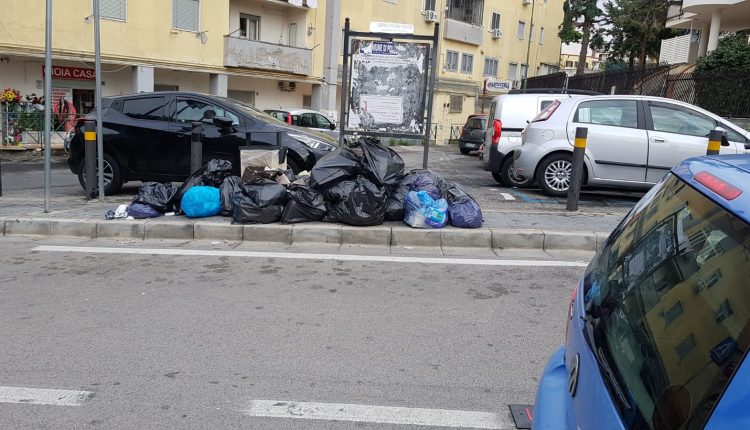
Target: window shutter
186,14
113,9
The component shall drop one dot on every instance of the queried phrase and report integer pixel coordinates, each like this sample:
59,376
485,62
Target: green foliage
635,28
733,52
579,25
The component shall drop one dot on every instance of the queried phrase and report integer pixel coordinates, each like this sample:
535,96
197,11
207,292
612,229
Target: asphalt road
223,341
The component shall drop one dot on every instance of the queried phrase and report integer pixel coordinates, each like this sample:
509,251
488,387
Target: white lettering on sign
493,85
391,27
72,73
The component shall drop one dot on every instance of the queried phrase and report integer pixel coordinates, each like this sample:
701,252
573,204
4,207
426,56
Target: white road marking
301,256
507,196
376,414
43,396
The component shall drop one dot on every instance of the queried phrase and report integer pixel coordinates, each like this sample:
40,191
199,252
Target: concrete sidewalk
502,229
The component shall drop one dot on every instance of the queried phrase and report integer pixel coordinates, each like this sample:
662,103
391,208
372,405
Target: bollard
89,138
576,174
714,142
196,147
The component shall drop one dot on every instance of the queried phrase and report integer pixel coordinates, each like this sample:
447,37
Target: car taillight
719,186
497,129
289,118
547,112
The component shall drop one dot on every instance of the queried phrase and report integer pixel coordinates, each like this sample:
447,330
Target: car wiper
601,359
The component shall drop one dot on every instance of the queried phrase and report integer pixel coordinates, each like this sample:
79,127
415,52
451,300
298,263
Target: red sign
72,73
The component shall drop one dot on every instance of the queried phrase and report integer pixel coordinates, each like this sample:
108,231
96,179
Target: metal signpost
98,96
388,84
48,108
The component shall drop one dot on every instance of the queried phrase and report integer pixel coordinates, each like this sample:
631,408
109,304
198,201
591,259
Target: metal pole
196,147
98,95
528,48
435,52
344,85
576,174
89,148
714,142
48,108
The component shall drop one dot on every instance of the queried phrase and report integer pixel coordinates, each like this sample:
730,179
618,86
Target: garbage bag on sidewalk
258,201
303,204
463,210
394,210
141,211
426,180
227,190
364,206
339,191
157,195
215,171
382,165
334,167
422,211
201,201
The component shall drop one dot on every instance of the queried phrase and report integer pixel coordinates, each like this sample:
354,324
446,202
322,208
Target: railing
455,133
649,80
27,127
553,80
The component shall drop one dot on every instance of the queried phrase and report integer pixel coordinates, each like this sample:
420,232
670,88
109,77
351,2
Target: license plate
471,145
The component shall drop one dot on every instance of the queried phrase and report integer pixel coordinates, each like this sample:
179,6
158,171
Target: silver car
633,141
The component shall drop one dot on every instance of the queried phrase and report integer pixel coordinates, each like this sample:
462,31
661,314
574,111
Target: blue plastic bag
422,211
463,210
141,211
200,201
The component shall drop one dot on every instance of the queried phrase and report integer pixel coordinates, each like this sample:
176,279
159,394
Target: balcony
253,54
463,32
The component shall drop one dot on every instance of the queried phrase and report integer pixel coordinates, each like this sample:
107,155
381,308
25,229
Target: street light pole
528,48
48,107
98,101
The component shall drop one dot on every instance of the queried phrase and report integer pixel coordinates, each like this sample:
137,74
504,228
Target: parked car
509,115
305,118
659,326
147,136
472,133
633,141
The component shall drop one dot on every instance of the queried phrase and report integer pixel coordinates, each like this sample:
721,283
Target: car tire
112,176
509,177
553,174
464,151
498,178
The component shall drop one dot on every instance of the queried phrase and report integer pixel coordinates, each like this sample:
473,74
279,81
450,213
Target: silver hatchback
633,141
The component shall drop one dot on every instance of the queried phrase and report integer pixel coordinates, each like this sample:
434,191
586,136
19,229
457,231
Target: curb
306,234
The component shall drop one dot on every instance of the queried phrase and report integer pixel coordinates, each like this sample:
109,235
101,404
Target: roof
733,169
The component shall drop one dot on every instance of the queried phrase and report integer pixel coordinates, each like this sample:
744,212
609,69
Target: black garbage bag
382,165
334,167
431,182
227,190
143,211
463,210
364,206
394,210
157,195
258,201
215,171
339,191
303,204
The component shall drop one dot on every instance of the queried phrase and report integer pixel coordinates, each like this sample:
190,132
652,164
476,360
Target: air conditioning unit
430,16
287,86
526,2
496,33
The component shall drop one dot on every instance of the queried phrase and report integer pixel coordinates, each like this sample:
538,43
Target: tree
635,28
733,52
579,25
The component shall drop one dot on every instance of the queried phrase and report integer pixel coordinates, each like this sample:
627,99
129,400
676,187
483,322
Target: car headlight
312,142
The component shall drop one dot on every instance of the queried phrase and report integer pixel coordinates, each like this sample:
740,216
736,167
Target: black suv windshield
670,305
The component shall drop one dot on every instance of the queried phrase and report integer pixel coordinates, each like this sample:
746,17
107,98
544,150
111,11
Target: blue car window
669,302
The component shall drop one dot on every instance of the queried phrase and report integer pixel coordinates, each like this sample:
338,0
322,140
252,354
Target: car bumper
526,159
552,398
469,144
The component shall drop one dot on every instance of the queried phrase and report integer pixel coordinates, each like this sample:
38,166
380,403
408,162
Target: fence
723,92
27,127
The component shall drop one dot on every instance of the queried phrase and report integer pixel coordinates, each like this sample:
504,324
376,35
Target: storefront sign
492,85
72,73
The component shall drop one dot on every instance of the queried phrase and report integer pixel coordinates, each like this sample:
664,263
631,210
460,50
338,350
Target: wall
274,20
267,91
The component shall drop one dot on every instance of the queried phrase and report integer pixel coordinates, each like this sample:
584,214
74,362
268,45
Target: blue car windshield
670,305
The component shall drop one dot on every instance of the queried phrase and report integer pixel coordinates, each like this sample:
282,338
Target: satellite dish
312,4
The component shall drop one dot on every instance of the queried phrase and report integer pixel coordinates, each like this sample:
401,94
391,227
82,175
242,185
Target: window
199,111
723,312
113,9
569,64
495,21
150,108
684,347
322,121
429,5
467,63
676,119
307,101
186,15
524,71
541,36
490,67
732,135
521,30
307,120
468,11
457,104
672,313
451,61
293,34
619,113
513,71
250,27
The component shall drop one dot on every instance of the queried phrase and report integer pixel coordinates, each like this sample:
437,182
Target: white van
509,115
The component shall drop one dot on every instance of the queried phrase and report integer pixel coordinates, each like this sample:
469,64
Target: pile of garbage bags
362,186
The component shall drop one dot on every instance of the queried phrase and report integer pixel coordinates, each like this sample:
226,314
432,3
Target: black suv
147,136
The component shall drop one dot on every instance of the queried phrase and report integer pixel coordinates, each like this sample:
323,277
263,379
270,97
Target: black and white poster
388,86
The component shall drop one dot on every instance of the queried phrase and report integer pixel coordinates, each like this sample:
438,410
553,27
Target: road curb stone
474,238
121,230
271,233
72,228
512,239
27,227
169,230
560,240
217,231
378,235
316,233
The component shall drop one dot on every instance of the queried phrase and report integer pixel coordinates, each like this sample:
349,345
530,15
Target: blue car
659,326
